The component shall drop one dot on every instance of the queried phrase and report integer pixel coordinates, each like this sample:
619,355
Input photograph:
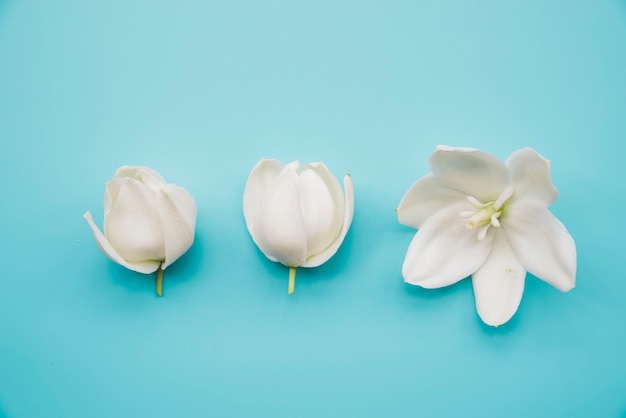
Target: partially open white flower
148,223
297,216
477,216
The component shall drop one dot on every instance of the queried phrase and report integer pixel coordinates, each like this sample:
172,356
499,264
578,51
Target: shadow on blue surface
432,294
187,266
464,286
183,270
335,266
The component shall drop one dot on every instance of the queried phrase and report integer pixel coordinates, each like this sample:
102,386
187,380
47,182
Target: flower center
486,214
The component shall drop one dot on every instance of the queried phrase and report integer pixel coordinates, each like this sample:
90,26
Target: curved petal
259,181
107,249
144,175
541,243
177,211
470,171
133,226
425,197
499,283
530,174
331,183
322,206
111,192
348,213
278,225
443,251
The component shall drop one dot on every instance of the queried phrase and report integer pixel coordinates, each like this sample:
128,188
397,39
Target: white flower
148,224
297,216
477,216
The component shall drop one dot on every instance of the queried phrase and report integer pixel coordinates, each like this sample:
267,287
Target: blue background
200,91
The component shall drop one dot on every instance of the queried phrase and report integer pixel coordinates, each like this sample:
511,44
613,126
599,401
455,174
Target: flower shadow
336,266
187,267
179,273
333,269
434,304
464,287
130,281
434,294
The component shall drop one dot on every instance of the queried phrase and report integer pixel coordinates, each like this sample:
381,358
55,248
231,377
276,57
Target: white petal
541,242
530,174
321,203
278,225
177,211
133,226
259,181
425,197
443,251
145,267
348,212
144,175
499,283
472,172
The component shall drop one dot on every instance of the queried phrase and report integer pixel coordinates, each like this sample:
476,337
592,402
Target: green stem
159,282
292,280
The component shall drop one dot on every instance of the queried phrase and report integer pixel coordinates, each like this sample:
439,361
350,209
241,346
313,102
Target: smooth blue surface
200,91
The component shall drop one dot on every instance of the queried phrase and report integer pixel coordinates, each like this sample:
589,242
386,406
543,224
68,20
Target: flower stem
292,280
159,282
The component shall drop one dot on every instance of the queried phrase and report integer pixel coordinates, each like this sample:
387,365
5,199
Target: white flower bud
298,216
148,223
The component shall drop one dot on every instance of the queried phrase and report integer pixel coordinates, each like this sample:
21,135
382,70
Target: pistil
486,214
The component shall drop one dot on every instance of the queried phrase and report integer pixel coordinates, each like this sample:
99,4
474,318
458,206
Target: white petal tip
420,282
450,148
496,322
409,281
566,289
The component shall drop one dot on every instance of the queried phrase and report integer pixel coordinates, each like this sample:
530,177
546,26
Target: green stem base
159,282
292,280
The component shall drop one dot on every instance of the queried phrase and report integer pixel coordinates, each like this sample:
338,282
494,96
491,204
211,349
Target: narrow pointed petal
530,174
443,251
177,211
278,225
425,197
133,226
499,283
541,243
259,181
470,171
107,249
348,213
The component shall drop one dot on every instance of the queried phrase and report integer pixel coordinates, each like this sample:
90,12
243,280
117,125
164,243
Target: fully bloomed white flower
298,216
478,216
148,223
